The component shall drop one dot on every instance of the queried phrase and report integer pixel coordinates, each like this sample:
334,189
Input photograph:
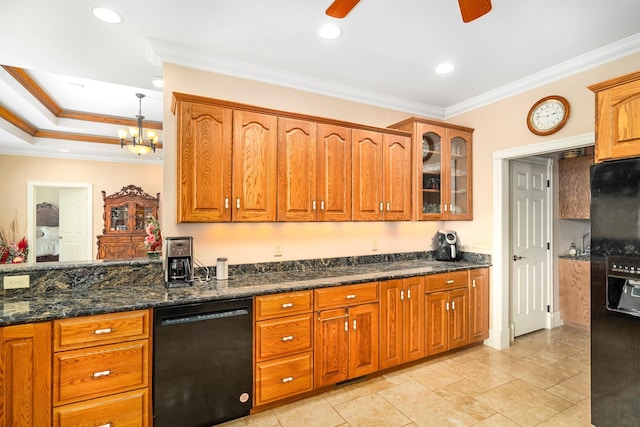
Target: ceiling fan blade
474,9
341,8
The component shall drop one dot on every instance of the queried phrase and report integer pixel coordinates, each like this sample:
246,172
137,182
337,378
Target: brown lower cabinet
25,375
346,333
102,370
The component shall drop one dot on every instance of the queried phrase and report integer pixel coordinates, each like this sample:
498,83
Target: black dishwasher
202,363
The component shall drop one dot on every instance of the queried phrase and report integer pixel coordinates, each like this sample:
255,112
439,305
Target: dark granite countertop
581,257
37,305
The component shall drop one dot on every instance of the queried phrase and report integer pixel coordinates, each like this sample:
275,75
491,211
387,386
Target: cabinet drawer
341,296
129,409
283,336
285,304
102,329
95,372
283,377
444,281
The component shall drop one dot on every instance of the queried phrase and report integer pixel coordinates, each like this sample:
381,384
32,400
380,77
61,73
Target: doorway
531,237
73,202
499,334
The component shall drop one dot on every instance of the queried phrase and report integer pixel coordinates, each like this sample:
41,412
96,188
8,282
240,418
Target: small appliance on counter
178,262
447,246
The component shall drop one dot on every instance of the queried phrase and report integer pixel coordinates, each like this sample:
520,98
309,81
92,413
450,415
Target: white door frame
499,333
31,210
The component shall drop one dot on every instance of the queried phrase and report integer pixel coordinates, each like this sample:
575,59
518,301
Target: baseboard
553,320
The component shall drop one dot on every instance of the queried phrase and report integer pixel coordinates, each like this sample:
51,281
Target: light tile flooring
541,380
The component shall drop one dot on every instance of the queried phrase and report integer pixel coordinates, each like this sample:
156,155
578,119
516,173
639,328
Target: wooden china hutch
124,223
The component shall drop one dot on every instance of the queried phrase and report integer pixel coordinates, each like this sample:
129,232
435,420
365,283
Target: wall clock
548,115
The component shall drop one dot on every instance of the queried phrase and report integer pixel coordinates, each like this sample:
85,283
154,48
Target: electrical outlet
278,250
374,245
16,282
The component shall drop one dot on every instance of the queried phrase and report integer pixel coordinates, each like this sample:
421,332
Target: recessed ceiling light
329,31
64,150
106,15
157,81
444,68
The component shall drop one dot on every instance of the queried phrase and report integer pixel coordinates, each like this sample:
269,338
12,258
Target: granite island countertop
32,306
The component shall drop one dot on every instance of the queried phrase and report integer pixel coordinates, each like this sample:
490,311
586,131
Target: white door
74,227
529,246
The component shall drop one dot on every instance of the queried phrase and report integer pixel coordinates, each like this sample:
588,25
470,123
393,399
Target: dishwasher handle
200,317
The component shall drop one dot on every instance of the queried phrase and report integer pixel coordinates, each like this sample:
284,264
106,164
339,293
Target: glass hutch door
460,170
119,218
431,174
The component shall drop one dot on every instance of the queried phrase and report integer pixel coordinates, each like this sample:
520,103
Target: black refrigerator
615,293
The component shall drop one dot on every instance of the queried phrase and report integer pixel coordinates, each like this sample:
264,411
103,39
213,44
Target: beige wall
498,126
16,171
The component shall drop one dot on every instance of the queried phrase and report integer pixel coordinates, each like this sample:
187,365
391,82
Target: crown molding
188,57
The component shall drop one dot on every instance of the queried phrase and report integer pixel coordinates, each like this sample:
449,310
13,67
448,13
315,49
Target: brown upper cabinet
574,187
314,171
381,176
442,169
617,118
242,163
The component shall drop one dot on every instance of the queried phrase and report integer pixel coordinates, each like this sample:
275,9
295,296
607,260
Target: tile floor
541,380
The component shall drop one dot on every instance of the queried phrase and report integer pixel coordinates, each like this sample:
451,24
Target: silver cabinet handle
447,306
453,305
287,338
346,325
354,324
226,203
238,203
408,293
322,205
101,374
473,283
381,206
313,205
450,282
105,425
445,207
286,380
401,295
103,331
351,296
388,206
287,305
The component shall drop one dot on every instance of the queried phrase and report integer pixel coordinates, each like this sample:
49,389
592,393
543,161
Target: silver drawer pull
286,380
332,318
103,331
101,374
449,282
287,305
105,425
287,338
352,296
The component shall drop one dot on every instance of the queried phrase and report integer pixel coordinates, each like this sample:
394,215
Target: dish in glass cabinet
426,153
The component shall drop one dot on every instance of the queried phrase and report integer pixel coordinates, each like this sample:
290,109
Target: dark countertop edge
576,257
111,299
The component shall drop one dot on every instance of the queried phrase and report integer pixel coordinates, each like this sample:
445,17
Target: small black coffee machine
178,261
447,246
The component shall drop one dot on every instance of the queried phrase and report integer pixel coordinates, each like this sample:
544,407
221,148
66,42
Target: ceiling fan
470,9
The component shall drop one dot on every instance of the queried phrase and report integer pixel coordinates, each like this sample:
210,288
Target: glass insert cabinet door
142,212
459,178
119,218
431,174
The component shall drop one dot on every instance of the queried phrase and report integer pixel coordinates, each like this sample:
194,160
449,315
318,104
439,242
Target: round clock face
548,115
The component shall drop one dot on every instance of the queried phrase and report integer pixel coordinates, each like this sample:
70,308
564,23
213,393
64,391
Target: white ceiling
386,55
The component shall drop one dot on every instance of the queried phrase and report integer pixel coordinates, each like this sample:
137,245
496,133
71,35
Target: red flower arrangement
12,250
153,241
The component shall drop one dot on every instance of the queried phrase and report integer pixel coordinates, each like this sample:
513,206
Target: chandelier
137,144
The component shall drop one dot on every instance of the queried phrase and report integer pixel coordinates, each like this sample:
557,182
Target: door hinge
548,183
548,245
548,309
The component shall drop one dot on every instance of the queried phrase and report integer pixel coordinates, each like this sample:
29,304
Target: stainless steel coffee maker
178,262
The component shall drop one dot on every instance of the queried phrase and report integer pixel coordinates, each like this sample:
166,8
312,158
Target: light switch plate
16,282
